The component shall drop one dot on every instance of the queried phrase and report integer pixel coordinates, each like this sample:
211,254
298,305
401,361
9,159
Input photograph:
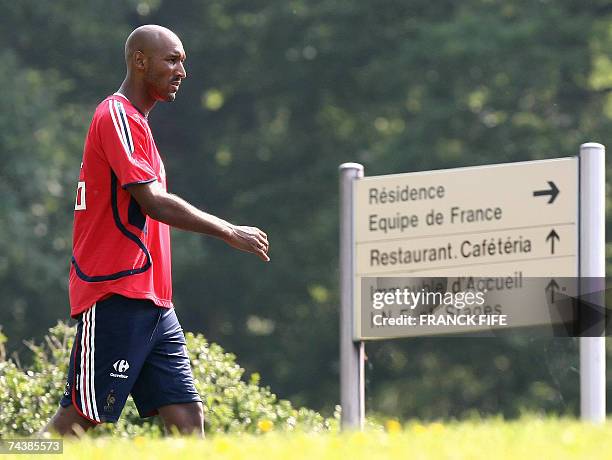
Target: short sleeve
125,145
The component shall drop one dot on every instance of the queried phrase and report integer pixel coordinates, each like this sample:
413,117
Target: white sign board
501,220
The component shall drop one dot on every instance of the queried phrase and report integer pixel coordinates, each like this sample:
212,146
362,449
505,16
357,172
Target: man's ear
139,60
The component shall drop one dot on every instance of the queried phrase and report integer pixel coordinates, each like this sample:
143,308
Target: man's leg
67,422
165,385
187,418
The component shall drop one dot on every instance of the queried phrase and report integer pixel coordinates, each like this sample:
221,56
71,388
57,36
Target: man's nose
182,71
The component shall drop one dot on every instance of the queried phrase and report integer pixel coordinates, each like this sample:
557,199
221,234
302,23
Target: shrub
29,397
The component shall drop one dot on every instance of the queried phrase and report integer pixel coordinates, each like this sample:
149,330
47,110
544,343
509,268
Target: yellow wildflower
393,426
140,441
265,425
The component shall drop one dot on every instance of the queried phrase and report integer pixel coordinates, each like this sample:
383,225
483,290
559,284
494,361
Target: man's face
165,70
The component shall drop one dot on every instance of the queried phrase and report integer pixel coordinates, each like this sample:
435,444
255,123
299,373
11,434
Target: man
128,338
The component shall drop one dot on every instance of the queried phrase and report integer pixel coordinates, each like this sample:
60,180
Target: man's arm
176,212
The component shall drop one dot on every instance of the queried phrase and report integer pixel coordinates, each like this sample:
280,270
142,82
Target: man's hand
249,239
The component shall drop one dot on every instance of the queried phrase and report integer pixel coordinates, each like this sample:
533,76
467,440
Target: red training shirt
116,249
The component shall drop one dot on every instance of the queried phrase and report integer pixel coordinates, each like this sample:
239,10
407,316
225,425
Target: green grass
495,439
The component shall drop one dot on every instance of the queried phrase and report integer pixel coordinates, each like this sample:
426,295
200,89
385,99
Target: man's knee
68,422
187,418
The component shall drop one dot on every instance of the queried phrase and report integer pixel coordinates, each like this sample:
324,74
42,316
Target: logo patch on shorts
121,366
110,401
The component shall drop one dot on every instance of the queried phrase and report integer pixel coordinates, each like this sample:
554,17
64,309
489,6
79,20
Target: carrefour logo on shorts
121,365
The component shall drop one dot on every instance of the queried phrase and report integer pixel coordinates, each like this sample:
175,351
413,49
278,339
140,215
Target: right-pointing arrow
552,236
553,191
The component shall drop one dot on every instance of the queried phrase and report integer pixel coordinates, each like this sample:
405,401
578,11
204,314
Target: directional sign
481,221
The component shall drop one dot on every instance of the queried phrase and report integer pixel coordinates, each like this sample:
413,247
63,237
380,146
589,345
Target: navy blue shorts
128,346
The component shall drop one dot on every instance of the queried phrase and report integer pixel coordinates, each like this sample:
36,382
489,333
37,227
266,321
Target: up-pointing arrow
553,191
551,236
552,287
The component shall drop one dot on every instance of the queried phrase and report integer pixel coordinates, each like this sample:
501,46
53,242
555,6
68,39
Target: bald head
149,39
155,58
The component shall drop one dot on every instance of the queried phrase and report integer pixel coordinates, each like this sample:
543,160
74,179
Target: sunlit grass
495,439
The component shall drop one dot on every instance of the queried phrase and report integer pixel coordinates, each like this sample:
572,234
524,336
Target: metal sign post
352,375
593,272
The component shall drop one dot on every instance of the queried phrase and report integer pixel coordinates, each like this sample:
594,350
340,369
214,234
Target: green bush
29,397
